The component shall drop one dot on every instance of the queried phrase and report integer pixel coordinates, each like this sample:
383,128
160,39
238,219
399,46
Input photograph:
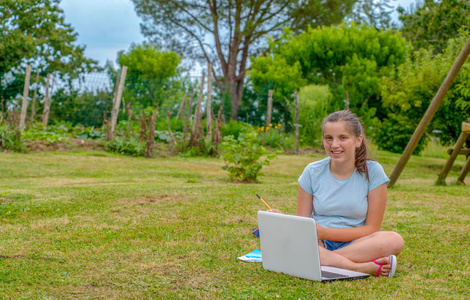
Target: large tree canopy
435,22
150,76
349,58
34,32
227,32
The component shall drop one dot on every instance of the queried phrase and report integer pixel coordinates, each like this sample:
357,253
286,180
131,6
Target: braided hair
355,127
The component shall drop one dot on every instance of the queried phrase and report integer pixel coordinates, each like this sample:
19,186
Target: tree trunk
236,92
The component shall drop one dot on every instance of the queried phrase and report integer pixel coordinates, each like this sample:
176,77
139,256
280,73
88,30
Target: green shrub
243,155
51,135
175,124
313,101
395,133
91,133
234,128
204,148
128,146
10,139
273,137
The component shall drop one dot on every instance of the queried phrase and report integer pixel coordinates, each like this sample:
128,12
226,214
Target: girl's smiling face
339,142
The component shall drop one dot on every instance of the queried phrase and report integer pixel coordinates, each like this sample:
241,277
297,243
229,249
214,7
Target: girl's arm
377,202
304,203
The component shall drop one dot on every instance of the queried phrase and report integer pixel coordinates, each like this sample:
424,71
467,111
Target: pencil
263,201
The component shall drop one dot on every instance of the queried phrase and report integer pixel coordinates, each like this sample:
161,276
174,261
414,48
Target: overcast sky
108,26
103,26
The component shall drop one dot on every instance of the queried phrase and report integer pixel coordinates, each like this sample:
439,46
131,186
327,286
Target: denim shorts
332,245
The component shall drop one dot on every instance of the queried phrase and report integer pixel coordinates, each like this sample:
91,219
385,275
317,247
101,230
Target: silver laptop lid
293,254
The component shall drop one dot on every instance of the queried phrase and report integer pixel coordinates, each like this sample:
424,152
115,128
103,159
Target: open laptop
289,245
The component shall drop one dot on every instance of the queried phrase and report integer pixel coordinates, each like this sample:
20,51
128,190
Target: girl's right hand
274,211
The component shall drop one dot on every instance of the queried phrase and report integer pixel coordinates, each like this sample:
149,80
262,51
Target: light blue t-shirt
340,203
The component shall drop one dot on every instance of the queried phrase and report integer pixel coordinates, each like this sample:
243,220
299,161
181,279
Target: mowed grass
95,225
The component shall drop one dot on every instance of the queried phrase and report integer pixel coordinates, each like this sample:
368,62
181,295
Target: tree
34,32
408,91
281,77
227,32
348,58
435,22
150,74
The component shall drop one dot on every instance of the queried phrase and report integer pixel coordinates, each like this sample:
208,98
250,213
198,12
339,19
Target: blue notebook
253,256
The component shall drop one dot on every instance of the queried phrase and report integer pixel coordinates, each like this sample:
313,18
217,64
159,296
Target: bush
395,133
203,148
175,124
273,137
128,146
10,139
313,101
50,135
90,133
243,156
234,128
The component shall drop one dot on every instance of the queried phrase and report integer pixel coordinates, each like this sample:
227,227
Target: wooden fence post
24,105
197,114
117,102
270,108
296,103
431,111
190,106
209,103
47,103
33,104
196,133
181,110
150,145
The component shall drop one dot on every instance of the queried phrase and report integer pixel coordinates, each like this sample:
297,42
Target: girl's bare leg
360,254
330,258
377,245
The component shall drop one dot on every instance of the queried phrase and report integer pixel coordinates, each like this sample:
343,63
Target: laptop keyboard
330,275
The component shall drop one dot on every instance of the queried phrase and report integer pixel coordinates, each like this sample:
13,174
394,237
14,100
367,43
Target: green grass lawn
95,225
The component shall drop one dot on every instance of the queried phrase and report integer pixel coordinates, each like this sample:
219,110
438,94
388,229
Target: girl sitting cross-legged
346,194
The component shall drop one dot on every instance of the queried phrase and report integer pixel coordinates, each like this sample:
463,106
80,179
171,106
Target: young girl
346,194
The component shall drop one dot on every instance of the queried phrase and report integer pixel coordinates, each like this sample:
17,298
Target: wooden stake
270,108
217,137
431,111
181,110
24,106
47,103
117,102
198,115
209,104
190,105
33,104
151,136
